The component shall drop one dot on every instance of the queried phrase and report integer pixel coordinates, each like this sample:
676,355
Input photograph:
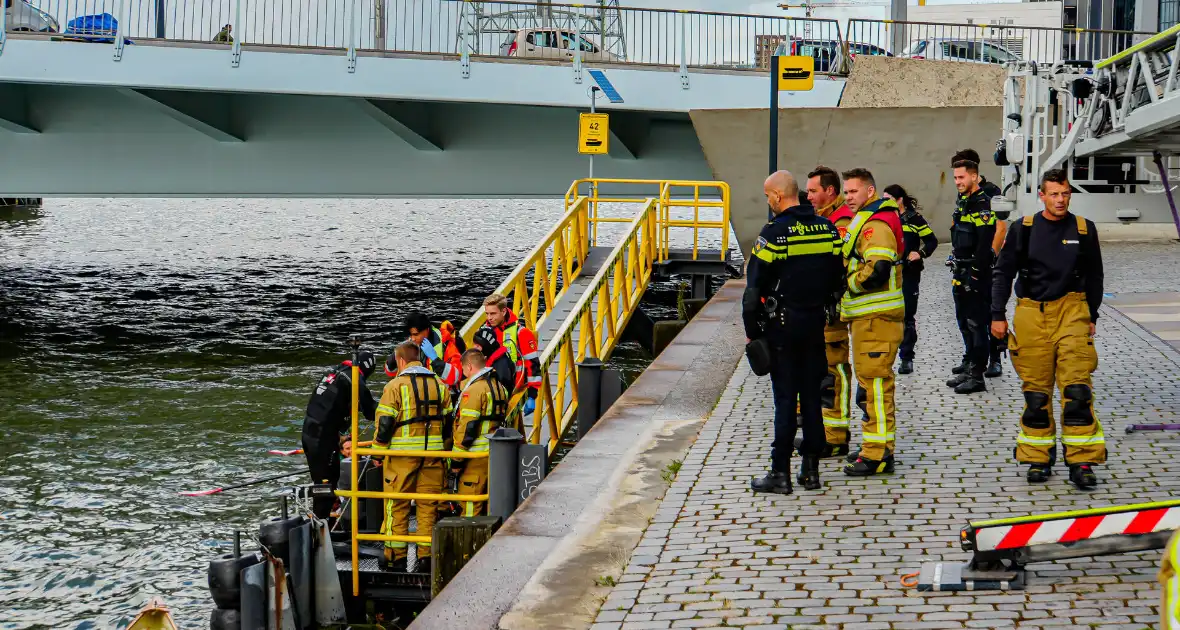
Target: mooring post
589,393
502,473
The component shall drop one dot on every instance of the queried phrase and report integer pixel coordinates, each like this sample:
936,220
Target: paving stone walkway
717,556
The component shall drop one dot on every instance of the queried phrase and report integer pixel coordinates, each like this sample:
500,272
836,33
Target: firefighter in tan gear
410,417
823,191
1170,580
1055,260
483,404
874,307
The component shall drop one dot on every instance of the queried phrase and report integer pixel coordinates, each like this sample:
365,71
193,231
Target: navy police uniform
918,238
971,247
793,282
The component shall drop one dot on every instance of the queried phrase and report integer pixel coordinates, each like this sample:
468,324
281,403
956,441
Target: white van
22,16
969,50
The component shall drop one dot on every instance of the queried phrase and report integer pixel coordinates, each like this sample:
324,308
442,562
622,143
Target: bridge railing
698,39
987,43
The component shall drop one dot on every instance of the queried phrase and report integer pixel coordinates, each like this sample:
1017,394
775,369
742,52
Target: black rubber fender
225,619
224,583
274,534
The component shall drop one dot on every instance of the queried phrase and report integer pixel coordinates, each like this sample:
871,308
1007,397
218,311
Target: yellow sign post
593,134
796,73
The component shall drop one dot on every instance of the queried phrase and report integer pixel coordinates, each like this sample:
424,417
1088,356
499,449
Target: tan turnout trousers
875,341
1050,343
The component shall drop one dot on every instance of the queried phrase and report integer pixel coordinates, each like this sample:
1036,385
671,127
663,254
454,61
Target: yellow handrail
555,261
717,196
593,327
597,321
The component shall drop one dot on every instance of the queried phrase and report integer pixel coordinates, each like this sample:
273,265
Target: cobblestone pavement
715,555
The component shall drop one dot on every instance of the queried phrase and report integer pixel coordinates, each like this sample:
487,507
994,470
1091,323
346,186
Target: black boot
866,467
962,367
809,473
994,369
959,378
853,456
1039,473
775,481
1082,476
423,565
396,566
973,383
906,367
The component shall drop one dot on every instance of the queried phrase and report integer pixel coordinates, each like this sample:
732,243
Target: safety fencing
987,43
594,32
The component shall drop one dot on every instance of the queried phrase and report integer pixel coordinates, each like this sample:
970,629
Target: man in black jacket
792,283
971,247
1056,262
327,424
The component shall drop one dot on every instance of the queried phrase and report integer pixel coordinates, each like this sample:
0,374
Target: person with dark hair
874,307
920,243
327,423
1056,263
824,191
971,155
441,348
971,246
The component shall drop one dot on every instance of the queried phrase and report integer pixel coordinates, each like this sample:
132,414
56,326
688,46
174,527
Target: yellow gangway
554,271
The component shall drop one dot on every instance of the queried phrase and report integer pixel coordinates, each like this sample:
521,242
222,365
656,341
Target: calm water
148,347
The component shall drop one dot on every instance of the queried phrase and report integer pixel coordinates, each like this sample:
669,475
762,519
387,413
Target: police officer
991,190
1055,260
792,278
410,416
920,243
327,424
971,247
483,405
824,190
874,307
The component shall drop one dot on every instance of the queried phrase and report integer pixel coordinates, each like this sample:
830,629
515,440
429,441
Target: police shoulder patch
759,245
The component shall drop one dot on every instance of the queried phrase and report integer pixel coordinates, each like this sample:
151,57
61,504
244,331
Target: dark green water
148,347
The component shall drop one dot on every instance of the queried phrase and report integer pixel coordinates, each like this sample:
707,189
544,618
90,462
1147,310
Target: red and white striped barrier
1069,530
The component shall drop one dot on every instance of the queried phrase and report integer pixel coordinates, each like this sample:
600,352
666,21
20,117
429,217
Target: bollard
502,472
611,390
589,392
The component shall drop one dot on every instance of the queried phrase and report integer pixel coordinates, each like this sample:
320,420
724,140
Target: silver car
22,16
551,43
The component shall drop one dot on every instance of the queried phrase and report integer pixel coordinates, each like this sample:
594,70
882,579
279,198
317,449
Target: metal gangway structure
1113,124
577,289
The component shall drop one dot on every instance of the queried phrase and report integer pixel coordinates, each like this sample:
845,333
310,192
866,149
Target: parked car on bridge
827,51
973,51
551,43
22,16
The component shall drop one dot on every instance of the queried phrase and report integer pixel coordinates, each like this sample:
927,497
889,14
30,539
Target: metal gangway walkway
577,289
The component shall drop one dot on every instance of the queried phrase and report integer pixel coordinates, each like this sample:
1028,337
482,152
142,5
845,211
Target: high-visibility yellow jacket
482,407
868,241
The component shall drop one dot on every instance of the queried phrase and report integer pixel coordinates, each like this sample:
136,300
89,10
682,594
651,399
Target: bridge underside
86,141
